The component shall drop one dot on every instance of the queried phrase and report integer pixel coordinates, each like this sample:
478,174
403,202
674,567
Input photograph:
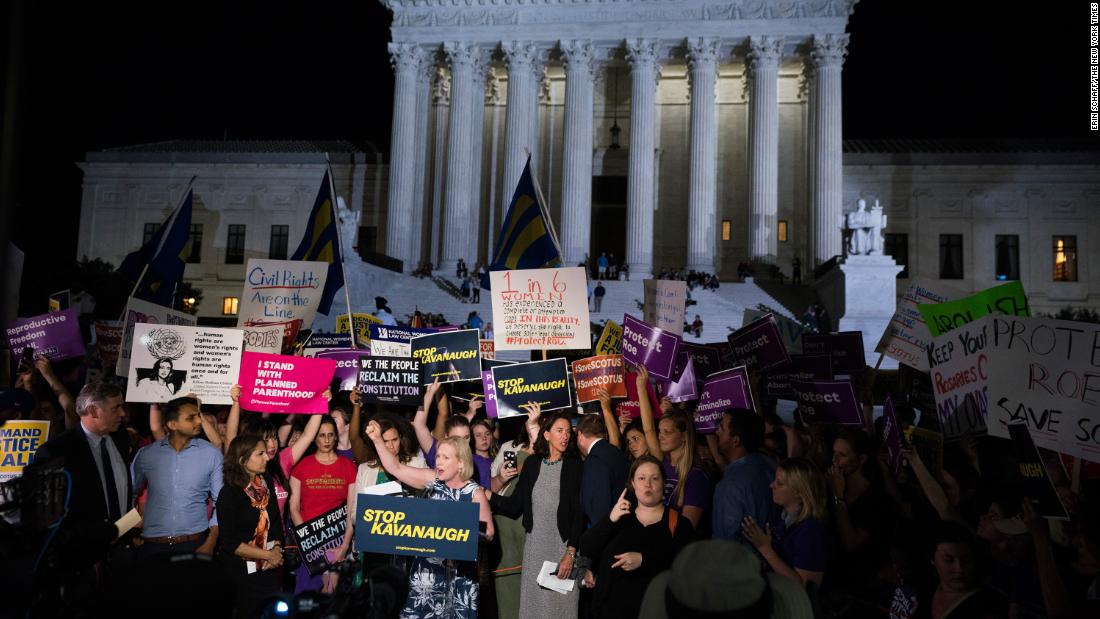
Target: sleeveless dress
441,588
544,544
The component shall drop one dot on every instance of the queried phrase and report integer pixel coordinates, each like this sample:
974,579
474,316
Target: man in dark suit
605,468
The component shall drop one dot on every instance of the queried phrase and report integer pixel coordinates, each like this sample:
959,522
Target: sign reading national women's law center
540,308
280,291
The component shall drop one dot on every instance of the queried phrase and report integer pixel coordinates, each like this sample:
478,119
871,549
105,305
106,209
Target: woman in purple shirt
796,541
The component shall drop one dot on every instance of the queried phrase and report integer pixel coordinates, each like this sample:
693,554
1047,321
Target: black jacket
570,512
605,471
86,503
237,521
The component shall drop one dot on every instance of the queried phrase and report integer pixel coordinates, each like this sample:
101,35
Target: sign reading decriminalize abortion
284,384
722,391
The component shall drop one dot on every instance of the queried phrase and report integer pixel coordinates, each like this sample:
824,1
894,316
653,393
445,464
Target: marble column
644,72
477,144
762,70
458,193
521,115
703,70
406,59
420,169
576,203
441,104
827,55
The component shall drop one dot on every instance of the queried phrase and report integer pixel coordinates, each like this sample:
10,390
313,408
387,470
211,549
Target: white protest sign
264,339
664,304
280,291
906,338
1046,372
960,370
138,311
387,348
540,308
169,361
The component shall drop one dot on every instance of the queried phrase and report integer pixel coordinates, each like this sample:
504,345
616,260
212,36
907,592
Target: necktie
109,481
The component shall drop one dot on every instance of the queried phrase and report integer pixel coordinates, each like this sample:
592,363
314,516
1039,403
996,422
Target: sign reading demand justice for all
540,308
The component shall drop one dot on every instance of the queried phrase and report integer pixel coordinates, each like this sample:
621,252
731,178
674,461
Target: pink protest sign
282,384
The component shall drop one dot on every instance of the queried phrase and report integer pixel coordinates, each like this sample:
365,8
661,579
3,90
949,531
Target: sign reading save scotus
541,308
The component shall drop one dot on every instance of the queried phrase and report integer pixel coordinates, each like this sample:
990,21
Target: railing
825,267
446,286
384,261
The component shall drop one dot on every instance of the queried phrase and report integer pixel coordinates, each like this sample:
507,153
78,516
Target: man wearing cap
745,489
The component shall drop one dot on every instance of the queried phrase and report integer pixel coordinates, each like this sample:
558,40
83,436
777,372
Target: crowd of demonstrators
695,279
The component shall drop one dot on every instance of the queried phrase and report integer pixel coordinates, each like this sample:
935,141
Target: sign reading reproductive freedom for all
595,373
540,308
281,290
545,383
284,384
170,361
651,347
1007,299
55,336
416,527
138,311
906,338
19,440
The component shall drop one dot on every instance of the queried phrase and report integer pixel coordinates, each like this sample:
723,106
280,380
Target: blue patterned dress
441,588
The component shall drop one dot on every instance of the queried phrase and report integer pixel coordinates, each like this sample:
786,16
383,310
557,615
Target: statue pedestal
862,291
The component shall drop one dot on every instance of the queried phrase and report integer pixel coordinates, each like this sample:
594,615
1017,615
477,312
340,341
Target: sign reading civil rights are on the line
1007,299
545,383
55,336
280,291
648,346
595,373
284,384
758,345
540,308
389,379
448,356
722,391
828,401
19,440
416,527
170,361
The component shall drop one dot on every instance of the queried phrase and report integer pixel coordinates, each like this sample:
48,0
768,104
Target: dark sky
101,74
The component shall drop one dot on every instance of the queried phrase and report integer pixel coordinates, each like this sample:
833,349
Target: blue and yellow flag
527,239
321,242
160,262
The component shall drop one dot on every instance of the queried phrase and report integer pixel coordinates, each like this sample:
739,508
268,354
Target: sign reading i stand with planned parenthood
280,291
540,308
284,384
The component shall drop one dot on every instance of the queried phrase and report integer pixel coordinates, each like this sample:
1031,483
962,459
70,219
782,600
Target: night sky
102,74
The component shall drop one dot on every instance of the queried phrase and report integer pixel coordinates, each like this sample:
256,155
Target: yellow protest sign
362,326
610,340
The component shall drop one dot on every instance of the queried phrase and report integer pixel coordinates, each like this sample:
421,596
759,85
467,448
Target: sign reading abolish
789,331
281,290
172,361
758,345
828,401
545,383
138,311
722,391
777,384
1046,373
19,440
610,340
1006,299
347,366
282,384
416,527
845,348
649,346
320,535
540,308
389,379
664,304
449,356
959,367
595,373
906,338
55,336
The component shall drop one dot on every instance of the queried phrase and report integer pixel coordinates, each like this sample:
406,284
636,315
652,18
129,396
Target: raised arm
209,427
359,446
409,475
443,406
648,426
233,422
613,435
933,491
420,420
156,422
296,501
64,398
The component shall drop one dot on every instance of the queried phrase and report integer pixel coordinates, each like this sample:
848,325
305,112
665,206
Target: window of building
148,232
1065,258
727,228
234,245
782,230
896,245
229,306
951,256
280,235
1007,247
195,257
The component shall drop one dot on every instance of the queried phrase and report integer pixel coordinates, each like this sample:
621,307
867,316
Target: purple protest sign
347,366
777,384
846,349
828,401
490,393
722,391
683,388
55,336
649,346
891,435
706,358
758,346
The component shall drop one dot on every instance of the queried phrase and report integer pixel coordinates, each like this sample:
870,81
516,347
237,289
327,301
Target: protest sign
416,527
144,312
906,338
385,348
60,300
545,383
891,436
664,304
267,339
108,340
1037,484
347,366
845,348
389,380
280,291
684,388
283,384
449,356
828,401
758,346
706,359
630,405
649,346
725,353
1046,372
540,308
397,333
777,383
1007,299
318,538
722,391
362,324
790,331
19,440
610,342
490,391
326,341
488,349
958,365
55,336
601,372
172,361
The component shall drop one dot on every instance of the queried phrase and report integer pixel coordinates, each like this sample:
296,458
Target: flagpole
544,208
340,244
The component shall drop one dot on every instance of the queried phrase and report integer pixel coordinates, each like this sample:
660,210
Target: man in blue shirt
183,471
745,489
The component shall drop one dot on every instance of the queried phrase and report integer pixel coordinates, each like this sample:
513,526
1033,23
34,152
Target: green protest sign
1008,299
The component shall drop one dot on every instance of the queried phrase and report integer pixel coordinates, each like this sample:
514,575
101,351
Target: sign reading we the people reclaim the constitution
541,308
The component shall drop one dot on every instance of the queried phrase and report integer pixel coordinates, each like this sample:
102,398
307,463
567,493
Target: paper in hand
128,521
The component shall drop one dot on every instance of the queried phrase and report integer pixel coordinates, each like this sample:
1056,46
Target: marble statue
349,228
866,228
